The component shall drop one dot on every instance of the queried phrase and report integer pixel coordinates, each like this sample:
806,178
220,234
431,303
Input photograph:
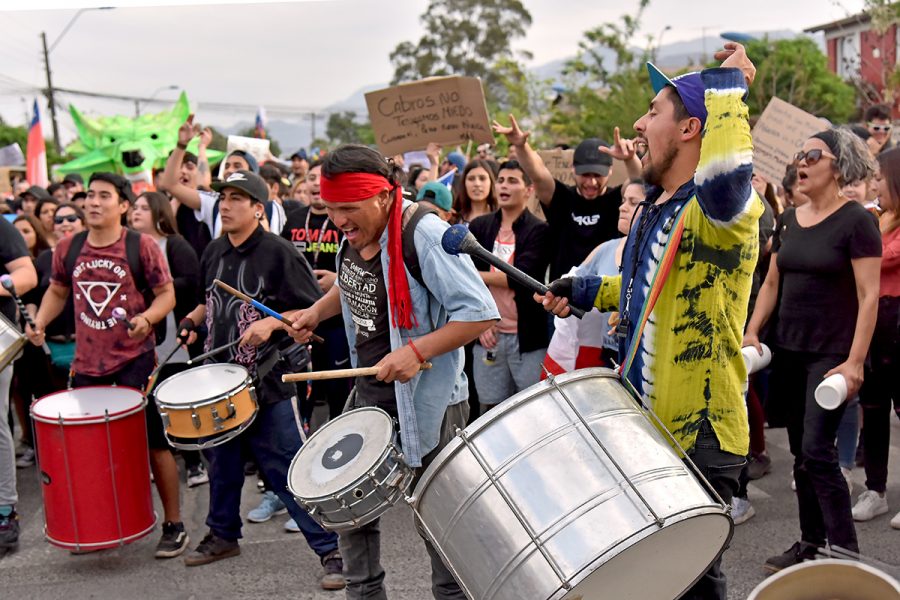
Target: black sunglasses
812,156
69,218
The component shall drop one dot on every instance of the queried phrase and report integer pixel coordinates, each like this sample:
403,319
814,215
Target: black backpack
133,254
410,254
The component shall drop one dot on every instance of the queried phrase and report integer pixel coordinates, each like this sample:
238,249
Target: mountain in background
296,133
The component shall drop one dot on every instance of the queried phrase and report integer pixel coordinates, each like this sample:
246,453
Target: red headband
355,187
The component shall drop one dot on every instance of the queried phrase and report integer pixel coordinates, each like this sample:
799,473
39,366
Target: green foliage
344,128
796,71
884,14
466,37
602,98
19,135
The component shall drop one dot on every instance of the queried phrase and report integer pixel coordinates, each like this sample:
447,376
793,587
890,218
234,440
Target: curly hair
853,162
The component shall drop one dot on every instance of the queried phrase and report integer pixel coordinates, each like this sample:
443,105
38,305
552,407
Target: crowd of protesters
825,297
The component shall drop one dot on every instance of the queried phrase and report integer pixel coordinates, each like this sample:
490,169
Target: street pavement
274,564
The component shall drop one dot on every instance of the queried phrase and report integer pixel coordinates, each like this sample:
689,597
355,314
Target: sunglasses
884,128
812,156
69,218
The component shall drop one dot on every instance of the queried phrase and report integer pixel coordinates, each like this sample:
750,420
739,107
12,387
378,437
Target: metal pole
50,99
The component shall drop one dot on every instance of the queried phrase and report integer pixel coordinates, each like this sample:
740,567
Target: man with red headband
397,320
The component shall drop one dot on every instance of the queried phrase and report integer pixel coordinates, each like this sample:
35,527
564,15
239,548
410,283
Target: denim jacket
455,292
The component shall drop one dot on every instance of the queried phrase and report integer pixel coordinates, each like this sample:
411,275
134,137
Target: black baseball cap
73,178
122,185
37,192
248,182
589,159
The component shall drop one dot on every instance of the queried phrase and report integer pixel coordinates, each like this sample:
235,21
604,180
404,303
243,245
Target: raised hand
734,56
206,137
621,149
433,152
188,130
514,134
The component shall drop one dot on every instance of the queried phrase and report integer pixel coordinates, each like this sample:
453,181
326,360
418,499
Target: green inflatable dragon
132,147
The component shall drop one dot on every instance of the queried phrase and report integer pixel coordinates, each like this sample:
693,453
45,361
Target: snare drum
11,342
351,471
206,406
94,465
828,579
567,490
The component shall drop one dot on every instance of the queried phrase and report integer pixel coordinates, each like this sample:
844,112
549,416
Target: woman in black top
824,279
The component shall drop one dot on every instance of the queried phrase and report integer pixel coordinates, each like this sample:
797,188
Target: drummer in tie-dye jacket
687,364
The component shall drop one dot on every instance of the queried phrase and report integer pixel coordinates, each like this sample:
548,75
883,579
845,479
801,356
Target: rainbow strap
656,285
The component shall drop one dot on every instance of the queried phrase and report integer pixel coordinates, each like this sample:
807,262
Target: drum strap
663,268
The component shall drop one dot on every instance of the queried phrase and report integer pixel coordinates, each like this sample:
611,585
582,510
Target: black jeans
822,494
881,385
721,469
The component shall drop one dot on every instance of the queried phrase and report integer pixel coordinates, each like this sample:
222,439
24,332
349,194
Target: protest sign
255,147
11,156
559,163
778,135
444,110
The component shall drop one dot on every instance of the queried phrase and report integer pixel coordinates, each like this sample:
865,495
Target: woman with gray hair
822,291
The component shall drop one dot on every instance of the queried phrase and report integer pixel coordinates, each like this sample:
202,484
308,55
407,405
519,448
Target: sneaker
798,553
869,505
759,466
741,510
291,526
895,522
9,531
26,460
211,549
270,506
334,572
848,477
173,542
197,475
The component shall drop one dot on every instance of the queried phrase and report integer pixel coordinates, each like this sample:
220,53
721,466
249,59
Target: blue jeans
273,439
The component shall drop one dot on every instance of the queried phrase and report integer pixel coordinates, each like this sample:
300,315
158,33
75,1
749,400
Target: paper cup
831,392
754,361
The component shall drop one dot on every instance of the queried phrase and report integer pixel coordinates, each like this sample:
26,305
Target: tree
19,135
464,37
274,147
343,128
796,71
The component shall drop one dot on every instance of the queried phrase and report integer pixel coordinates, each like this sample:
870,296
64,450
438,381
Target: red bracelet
416,351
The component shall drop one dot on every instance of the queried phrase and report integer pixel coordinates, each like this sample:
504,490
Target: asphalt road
275,564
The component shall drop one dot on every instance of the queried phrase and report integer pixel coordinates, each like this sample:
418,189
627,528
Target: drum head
201,383
88,404
828,579
340,453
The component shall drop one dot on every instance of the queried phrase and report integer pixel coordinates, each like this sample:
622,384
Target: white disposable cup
754,361
832,392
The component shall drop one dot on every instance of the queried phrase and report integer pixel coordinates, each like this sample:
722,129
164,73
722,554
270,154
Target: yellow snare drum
207,405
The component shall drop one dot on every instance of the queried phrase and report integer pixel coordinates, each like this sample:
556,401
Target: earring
258,215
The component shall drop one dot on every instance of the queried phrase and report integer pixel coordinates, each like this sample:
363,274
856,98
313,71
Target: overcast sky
303,54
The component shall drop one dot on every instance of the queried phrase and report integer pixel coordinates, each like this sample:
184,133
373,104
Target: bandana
355,187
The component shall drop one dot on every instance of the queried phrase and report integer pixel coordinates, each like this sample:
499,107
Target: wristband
186,325
144,317
181,146
416,352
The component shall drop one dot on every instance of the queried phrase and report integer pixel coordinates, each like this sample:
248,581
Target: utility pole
312,139
50,99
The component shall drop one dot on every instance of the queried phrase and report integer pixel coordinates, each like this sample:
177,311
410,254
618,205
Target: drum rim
118,541
92,419
247,381
387,449
823,562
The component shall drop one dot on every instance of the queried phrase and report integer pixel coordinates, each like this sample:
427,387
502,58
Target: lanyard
315,260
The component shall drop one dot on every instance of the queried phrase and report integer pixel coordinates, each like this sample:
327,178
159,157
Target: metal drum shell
578,526
12,340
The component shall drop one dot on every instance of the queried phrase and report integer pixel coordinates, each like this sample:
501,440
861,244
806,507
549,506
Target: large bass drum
568,491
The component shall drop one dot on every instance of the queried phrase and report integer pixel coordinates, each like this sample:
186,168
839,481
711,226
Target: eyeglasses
69,218
812,156
884,128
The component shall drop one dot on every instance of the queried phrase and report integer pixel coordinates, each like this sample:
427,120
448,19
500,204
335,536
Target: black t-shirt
266,268
196,233
12,247
577,225
818,307
363,289
64,324
314,236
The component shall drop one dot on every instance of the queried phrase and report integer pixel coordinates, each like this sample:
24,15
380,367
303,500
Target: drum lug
232,411
165,419
218,422
195,419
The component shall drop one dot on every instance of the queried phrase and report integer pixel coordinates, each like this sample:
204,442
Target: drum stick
120,315
338,374
9,285
259,306
151,381
213,352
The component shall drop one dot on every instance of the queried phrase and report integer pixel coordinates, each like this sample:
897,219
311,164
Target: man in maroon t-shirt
107,352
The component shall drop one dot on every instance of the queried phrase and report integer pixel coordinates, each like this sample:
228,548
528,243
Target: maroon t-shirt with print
101,281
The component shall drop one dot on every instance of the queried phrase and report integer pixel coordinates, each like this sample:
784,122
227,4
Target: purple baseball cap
690,89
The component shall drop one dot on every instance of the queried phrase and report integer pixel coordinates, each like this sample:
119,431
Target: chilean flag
36,153
260,124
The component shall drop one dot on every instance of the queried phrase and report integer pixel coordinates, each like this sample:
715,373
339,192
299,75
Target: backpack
133,255
411,217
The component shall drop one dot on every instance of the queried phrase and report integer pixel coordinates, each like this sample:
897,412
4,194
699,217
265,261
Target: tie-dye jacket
688,364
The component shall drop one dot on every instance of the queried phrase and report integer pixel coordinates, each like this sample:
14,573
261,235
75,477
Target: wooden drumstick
260,306
338,374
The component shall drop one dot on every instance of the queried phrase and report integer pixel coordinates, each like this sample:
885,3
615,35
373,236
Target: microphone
119,314
10,286
459,239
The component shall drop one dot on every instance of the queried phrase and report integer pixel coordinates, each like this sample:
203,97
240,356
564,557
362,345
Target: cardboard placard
444,110
779,134
559,163
255,147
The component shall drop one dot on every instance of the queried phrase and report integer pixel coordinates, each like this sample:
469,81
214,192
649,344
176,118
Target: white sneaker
895,522
869,505
291,526
848,476
741,510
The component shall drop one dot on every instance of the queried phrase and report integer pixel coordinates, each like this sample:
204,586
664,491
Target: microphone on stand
459,239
